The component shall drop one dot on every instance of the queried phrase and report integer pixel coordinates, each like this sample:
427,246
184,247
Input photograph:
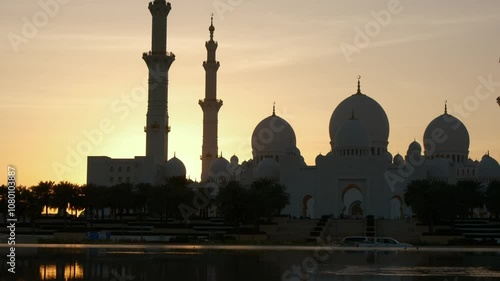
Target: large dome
271,136
447,137
353,133
367,111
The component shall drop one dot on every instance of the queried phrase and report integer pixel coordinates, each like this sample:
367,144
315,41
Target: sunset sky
63,79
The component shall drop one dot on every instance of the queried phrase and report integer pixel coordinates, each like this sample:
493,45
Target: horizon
305,58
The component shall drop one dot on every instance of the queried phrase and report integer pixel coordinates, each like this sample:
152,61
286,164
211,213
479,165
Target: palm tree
418,196
176,193
43,193
63,194
493,198
89,202
142,193
121,198
34,207
469,197
156,200
233,203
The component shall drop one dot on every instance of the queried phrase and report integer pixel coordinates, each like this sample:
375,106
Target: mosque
358,177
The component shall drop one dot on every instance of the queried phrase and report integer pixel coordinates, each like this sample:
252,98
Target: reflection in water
135,264
64,272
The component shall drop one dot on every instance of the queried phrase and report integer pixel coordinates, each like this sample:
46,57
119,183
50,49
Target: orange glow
64,80
71,271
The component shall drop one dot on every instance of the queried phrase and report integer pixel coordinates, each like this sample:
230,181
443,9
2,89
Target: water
240,263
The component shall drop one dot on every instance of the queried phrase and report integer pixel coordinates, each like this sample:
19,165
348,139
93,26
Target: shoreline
233,247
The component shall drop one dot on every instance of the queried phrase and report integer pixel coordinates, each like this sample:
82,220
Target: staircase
478,229
296,230
370,226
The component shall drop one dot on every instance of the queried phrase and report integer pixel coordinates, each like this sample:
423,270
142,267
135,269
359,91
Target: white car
384,242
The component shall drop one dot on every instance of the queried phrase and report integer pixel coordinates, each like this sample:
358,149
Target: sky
66,65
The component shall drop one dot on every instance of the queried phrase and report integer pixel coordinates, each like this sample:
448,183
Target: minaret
158,62
210,106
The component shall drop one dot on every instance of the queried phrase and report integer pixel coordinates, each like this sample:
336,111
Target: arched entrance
355,209
352,198
308,206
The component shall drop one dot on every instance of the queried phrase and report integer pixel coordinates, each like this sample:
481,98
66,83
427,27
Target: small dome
271,136
388,155
414,148
234,160
398,159
174,168
291,149
446,135
439,168
488,167
320,157
220,167
352,133
269,169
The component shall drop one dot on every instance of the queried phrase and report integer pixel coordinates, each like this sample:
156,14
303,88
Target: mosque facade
358,177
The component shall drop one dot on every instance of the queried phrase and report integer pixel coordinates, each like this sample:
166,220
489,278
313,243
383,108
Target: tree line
435,202
235,203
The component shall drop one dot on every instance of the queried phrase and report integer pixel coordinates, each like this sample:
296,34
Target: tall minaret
158,61
210,106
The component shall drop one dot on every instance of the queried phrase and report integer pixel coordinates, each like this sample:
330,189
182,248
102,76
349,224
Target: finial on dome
274,109
445,107
359,84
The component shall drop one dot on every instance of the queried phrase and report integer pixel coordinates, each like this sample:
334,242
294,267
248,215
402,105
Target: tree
469,197
33,207
177,193
430,201
272,197
156,200
121,198
63,193
233,203
43,193
92,197
493,198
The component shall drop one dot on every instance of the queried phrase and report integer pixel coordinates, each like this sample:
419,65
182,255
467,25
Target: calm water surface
235,263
